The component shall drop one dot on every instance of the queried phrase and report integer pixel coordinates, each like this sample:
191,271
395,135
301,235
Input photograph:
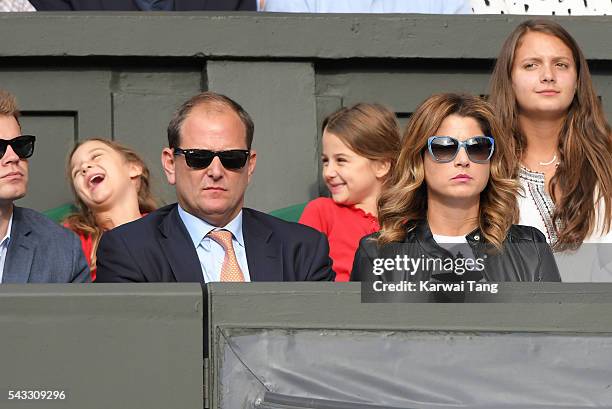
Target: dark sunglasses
233,159
444,149
22,145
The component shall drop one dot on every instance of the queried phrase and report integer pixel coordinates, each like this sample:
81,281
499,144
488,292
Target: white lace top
592,261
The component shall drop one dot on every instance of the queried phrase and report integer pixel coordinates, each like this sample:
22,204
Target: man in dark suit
143,5
208,235
33,248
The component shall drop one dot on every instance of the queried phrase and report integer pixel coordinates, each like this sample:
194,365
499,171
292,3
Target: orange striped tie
230,271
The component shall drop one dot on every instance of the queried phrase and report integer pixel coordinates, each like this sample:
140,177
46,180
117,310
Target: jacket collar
20,252
420,231
263,248
178,248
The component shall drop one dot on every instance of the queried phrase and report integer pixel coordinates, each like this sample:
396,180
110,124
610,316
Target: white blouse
592,261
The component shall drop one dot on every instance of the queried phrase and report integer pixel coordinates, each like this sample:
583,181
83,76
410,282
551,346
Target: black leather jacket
525,257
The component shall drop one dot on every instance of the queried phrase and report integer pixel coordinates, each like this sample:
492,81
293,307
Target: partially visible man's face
13,170
214,194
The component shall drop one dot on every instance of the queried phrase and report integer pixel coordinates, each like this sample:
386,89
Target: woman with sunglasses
542,91
452,188
360,145
111,186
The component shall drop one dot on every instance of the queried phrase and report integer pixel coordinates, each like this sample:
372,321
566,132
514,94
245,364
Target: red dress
344,226
87,245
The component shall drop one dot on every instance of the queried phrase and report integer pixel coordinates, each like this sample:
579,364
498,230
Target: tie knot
223,237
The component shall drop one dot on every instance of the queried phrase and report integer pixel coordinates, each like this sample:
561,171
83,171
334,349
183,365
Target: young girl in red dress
111,186
360,146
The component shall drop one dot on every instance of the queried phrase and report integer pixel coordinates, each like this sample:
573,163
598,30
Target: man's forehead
211,109
213,121
9,127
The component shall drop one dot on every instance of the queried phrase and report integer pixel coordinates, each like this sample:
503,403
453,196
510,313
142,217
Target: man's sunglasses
233,159
22,145
444,149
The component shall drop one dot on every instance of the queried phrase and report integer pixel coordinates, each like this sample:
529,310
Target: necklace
550,162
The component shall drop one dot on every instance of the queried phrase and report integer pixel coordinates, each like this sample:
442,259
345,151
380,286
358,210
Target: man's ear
381,168
251,164
168,163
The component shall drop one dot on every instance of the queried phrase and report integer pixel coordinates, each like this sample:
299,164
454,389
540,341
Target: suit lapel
19,255
263,250
178,248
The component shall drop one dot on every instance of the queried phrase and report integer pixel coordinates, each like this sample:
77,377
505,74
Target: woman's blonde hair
83,220
585,142
404,202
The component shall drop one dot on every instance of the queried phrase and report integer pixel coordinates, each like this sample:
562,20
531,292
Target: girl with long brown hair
111,186
454,184
543,94
360,146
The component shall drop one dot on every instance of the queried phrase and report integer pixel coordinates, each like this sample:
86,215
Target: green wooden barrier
290,213
60,213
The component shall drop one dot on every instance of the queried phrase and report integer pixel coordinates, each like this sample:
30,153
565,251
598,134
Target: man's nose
215,170
9,155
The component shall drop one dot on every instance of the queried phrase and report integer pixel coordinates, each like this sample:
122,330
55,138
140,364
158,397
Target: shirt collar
198,228
7,238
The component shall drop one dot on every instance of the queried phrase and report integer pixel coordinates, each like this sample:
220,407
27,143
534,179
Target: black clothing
155,5
158,248
525,257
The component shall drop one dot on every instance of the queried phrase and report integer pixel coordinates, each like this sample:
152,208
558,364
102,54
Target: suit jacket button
477,237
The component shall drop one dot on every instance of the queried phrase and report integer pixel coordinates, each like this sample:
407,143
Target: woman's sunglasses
233,159
22,145
444,149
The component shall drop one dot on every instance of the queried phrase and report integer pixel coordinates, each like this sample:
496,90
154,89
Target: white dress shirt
16,5
210,253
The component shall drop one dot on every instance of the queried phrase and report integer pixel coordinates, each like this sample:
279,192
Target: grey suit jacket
41,251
